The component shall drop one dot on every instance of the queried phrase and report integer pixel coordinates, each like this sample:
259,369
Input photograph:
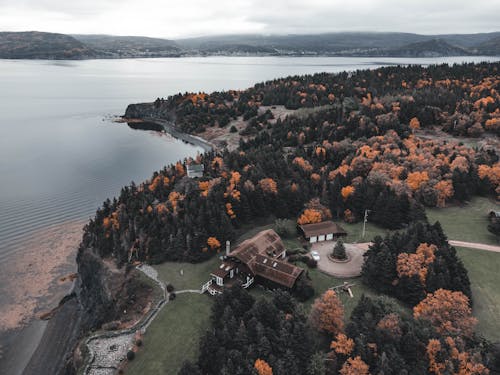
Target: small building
324,231
195,170
259,258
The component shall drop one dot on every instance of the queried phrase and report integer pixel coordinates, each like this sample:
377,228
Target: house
324,231
195,170
260,258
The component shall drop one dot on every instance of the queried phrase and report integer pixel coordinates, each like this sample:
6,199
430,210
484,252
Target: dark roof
258,254
323,228
224,269
266,242
281,273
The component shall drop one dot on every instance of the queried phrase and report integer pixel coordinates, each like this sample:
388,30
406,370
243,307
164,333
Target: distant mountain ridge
39,45
33,45
130,46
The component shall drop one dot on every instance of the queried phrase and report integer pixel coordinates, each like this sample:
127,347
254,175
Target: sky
181,18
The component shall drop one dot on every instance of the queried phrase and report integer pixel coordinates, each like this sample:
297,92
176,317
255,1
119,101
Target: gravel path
475,245
107,350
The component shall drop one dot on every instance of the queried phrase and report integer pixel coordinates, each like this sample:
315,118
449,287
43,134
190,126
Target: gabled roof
323,228
260,254
281,273
266,243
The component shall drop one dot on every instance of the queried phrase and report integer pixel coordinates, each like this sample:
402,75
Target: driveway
352,268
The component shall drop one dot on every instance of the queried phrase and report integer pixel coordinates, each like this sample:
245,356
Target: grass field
193,275
468,222
173,337
483,268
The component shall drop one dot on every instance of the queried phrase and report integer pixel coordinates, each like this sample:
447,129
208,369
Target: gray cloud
169,18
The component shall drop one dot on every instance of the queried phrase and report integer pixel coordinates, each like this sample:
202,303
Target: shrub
130,355
311,263
339,251
233,129
138,342
172,296
170,288
281,228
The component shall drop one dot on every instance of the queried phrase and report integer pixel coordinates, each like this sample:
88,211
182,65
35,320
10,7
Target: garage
320,232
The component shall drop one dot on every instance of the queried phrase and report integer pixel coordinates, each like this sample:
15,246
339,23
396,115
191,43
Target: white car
315,256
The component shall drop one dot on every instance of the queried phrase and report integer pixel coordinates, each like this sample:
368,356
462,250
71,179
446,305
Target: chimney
228,248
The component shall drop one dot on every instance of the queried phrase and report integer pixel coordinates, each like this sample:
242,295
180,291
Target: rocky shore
145,116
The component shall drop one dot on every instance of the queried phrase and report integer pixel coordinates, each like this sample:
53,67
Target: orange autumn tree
342,344
416,264
450,358
310,216
355,366
417,179
346,192
414,123
263,367
213,243
449,312
268,185
327,313
444,191
391,324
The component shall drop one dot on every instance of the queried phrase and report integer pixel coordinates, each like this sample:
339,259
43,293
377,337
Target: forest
359,148
336,161
427,329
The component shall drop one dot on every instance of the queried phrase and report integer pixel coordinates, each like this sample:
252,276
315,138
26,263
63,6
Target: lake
61,154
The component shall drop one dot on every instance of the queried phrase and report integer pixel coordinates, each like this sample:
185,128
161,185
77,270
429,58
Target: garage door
313,239
329,237
321,238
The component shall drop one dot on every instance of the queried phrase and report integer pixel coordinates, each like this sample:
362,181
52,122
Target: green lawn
483,268
173,337
193,277
468,222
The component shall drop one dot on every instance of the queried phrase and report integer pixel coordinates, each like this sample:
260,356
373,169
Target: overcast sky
184,18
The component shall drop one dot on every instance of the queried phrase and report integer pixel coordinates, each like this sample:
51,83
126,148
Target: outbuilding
324,231
195,170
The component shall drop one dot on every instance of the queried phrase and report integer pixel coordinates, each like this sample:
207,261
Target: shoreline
50,259
170,128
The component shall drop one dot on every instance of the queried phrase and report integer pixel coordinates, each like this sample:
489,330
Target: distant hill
490,47
130,46
317,43
347,43
429,48
38,45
